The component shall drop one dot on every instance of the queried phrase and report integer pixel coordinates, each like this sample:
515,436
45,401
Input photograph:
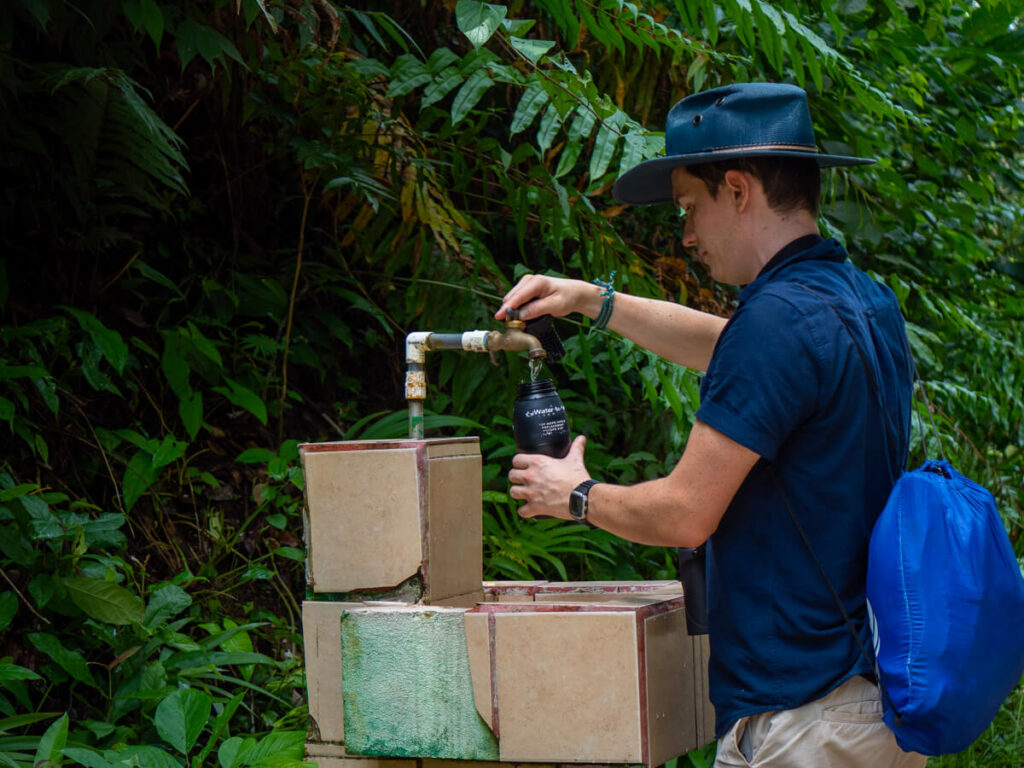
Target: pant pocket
865,711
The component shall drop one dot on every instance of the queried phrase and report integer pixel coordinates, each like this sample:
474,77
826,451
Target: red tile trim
492,649
423,488
366,445
641,647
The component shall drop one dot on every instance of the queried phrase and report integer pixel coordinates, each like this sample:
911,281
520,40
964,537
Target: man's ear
738,186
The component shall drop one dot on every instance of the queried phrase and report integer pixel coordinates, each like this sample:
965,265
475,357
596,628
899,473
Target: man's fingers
520,461
523,296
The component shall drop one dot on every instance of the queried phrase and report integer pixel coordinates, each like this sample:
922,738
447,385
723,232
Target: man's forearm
677,333
683,509
650,513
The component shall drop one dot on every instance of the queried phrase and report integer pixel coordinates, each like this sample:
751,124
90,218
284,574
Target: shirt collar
803,248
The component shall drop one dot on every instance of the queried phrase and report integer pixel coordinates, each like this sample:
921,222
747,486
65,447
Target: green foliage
222,218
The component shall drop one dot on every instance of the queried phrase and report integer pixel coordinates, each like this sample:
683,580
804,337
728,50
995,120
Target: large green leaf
14,672
170,449
478,20
70,661
51,744
88,758
243,397
190,409
165,602
441,86
106,340
469,94
139,474
530,103
8,607
181,717
532,49
604,147
146,14
104,600
142,757
549,125
407,74
195,38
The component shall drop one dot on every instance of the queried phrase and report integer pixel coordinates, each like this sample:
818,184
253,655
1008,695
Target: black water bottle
539,423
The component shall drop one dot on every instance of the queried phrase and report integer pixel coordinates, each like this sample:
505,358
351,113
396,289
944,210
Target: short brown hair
790,183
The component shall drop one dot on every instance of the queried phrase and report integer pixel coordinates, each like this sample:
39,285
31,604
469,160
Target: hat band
758,147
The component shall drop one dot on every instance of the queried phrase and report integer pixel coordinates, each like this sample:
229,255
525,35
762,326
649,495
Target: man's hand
537,295
545,483
677,333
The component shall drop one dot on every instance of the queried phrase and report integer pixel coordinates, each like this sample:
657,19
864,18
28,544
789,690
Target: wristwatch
579,500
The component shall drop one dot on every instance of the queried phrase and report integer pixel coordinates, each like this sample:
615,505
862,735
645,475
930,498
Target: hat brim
650,182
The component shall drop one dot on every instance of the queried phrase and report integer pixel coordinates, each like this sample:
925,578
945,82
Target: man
788,417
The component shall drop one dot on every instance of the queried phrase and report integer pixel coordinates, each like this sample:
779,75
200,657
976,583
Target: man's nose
689,237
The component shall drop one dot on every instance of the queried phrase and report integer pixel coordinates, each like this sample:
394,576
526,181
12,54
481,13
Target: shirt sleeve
764,377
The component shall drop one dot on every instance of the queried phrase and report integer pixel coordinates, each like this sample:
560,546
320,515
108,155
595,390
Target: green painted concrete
407,687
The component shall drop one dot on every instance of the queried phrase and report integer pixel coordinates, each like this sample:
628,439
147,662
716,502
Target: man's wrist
590,300
579,500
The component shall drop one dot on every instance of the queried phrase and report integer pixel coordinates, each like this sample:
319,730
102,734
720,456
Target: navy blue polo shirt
786,382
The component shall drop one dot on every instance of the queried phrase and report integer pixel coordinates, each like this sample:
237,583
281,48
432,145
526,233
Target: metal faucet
515,339
418,343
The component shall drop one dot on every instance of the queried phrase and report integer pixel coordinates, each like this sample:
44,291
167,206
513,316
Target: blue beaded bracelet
606,308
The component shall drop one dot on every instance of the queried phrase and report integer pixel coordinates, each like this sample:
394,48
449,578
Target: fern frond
121,152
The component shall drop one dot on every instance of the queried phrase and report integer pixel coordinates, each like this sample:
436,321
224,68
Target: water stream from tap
535,366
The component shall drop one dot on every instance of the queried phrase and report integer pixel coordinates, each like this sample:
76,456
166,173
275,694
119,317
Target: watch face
577,505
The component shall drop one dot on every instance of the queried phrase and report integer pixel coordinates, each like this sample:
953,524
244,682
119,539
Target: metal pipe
416,419
418,343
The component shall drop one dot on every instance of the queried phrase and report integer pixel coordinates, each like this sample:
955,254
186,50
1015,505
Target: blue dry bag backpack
946,601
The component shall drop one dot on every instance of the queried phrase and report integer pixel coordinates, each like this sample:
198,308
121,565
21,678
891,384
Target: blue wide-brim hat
738,120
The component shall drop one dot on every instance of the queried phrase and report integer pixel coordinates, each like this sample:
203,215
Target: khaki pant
843,729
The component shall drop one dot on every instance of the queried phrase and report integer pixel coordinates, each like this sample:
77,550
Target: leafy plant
222,219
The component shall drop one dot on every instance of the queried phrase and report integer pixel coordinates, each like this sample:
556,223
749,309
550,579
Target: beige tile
381,512
321,631
453,446
454,547
461,601
320,749
478,645
567,687
364,518
363,762
671,689
512,597
511,591
706,710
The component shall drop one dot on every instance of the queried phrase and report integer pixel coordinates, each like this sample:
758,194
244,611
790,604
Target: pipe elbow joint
416,346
